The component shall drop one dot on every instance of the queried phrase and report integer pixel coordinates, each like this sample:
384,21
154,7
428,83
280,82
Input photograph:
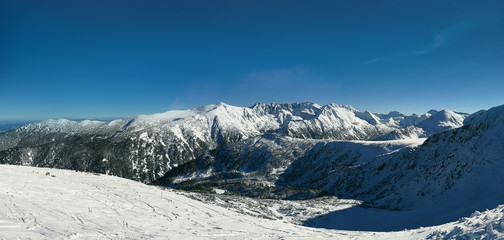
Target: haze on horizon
95,59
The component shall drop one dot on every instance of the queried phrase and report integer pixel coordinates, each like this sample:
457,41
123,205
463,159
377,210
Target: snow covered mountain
430,123
441,121
148,146
8,125
463,164
452,174
444,166
320,149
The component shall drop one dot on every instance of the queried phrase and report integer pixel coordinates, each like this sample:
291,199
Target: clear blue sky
88,58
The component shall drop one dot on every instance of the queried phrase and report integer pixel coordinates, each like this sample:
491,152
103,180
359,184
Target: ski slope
42,203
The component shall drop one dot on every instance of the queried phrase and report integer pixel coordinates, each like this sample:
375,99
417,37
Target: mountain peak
334,105
432,111
492,116
442,120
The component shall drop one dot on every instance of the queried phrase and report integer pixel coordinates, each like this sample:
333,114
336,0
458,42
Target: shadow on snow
381,220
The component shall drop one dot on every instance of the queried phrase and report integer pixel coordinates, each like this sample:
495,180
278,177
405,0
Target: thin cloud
444,36
419,52
439,40
283,85
177,104
267,85
374,60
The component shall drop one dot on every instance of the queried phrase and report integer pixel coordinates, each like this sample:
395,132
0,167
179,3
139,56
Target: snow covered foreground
75,205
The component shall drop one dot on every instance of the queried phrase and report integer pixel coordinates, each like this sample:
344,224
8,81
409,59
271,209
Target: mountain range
444,161
146,147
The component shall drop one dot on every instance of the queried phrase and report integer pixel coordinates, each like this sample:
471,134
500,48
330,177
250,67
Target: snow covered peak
432,111
302,120
335,106
421,126
493,116
369,117
442,120
167,116
173,115
294,108
330,116
489,123
393,114
210,124
399,120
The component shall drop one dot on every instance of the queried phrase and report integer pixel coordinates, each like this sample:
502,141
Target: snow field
77,205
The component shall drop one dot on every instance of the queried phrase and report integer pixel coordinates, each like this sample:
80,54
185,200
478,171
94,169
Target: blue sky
83,59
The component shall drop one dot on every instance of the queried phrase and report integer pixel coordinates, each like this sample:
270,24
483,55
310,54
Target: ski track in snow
77,205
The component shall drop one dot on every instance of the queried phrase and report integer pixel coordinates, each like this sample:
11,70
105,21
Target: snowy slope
451,174
408,132
76,205
464,164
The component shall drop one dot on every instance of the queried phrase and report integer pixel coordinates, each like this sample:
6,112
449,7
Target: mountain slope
463,164
273,160
451,174
460,161
7,125
67,205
